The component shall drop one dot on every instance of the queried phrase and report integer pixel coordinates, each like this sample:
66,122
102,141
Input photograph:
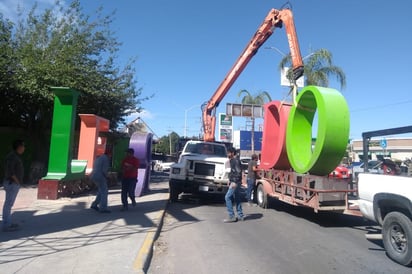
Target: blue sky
184,48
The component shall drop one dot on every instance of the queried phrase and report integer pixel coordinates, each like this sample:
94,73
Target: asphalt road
280,239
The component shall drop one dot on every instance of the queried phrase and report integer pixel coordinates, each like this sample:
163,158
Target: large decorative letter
61,165
274,136
332,134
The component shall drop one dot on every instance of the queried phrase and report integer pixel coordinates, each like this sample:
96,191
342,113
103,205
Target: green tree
167,144
259,99
62,46
7,65
318,68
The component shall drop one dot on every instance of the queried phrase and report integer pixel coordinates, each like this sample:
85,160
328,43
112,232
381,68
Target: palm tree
259,99
318,67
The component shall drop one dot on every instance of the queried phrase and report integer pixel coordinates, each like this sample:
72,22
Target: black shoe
95,207
230,220
105,211
133,204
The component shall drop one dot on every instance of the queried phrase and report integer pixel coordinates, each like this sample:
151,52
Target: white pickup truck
387,200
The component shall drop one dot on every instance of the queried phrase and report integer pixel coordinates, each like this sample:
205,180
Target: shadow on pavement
253,216
322,218
51,228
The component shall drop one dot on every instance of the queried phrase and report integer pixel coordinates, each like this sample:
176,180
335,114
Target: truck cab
203,167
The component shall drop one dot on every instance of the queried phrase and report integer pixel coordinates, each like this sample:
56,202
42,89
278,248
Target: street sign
383,143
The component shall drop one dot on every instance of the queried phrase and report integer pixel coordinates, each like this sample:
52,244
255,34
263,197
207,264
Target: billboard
246,140
225,128
244,110
225,120
225,135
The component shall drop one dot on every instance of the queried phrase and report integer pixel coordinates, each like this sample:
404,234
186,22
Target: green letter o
332,136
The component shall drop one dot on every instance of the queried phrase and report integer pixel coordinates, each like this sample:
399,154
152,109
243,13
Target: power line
382,106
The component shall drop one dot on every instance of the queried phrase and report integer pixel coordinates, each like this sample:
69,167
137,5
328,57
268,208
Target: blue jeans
250,185
128,189
102,192
11,193
233,193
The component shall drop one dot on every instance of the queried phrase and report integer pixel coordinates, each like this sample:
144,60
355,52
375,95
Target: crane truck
198,172
293,168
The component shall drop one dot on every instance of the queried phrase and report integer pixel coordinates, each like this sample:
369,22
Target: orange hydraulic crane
275,19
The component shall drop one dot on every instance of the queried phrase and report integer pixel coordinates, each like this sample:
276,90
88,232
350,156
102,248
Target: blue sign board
383,143
246,140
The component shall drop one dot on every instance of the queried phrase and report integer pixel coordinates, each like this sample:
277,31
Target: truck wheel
173,192
261,196
397,237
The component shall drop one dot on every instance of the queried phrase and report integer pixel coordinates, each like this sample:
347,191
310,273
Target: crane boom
275,18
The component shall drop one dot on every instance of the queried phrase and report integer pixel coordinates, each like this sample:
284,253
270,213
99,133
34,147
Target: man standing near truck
233,192
13,178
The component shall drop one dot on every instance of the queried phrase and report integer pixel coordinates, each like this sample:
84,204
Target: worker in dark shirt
13,178
233,192
251,177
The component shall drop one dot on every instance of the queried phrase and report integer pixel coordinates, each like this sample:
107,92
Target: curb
142,261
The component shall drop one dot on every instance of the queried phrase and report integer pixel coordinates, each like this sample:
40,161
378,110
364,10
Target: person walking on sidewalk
251,177
130,166
13,178
233,192
99,176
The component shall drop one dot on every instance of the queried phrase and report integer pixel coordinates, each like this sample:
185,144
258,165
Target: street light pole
284,54
186,110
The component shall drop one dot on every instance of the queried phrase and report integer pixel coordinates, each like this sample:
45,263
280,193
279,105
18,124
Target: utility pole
170,141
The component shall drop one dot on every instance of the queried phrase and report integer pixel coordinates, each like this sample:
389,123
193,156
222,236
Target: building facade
395,148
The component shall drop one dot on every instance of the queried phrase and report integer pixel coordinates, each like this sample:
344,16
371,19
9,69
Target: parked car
374,166
340,172
163,166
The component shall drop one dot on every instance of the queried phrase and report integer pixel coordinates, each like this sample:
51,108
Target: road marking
142,260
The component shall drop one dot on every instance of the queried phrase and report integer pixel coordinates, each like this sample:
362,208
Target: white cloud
145,114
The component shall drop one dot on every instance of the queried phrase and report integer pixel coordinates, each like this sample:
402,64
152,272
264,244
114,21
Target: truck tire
397,237
173,192
261,196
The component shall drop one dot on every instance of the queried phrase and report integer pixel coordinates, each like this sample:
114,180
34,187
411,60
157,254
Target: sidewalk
66,236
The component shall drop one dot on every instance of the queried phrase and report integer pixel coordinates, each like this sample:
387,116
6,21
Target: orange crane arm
275,18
